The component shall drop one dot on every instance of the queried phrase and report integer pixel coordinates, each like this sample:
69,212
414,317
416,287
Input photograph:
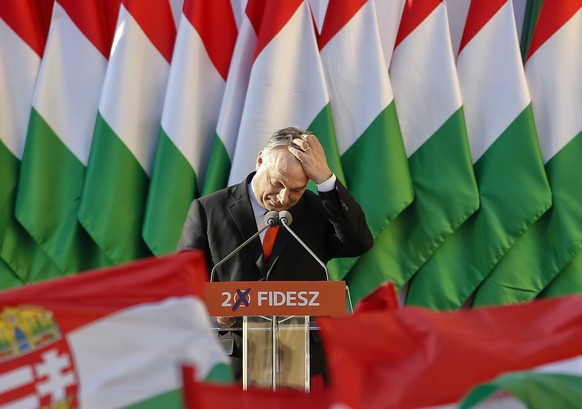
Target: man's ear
259,160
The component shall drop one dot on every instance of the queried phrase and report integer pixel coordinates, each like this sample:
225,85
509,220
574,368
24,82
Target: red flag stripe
214,21
96,19
278,13
480,12
553,16
336,18
414,13
30,20
78,300
157,21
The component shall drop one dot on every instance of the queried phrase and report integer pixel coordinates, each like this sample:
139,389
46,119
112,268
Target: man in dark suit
330,222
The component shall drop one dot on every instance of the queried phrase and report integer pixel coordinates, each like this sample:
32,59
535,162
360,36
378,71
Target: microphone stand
285,219
271,219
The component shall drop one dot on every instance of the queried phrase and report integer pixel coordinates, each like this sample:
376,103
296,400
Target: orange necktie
269,241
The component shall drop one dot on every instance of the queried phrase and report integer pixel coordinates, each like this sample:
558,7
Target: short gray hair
284,137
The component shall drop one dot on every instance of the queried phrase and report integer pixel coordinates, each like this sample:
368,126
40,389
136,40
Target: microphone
285,218
271,219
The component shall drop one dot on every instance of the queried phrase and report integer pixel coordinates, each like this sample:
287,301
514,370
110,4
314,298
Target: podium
274,318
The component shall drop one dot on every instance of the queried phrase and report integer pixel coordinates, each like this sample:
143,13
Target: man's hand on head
310,153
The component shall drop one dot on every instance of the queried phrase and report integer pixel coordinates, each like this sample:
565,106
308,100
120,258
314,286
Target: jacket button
345,206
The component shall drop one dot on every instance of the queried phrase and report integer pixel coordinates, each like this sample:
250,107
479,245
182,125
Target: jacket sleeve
351,235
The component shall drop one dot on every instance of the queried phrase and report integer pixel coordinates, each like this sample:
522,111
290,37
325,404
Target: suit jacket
332,224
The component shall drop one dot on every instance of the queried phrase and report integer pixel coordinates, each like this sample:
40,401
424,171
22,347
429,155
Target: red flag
383,298
412,357
205,395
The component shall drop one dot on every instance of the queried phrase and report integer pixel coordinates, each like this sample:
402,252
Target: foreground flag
61,129
205,395
430,112
532,390
286,84
383,298
413,357
552,70
109,338
127,128
23,31
368,134
506,157
195,88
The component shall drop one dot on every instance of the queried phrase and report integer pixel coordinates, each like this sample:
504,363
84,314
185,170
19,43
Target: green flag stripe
172,188
514,193
17,248
547,247
376,144
218,168
322,126
390,191
8,278
116,229
535,390
220,373
568,281
445,196
49,211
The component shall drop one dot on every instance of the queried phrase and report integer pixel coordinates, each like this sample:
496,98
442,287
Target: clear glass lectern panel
276,352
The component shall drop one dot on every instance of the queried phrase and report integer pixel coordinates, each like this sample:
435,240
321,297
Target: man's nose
283,196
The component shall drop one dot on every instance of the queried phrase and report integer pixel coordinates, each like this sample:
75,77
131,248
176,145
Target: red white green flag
224,141
552,70
113,338
430,113
196,85
127,128
23,32
368,134
416,358
286,84
506,157
60,131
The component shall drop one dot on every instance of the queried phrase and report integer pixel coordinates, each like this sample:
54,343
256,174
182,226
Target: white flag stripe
430,96
236,87
278,95
565,122
487,114
73,69
347,84
28,402
16,378
19,65
191,110
142,341
388,14
135,124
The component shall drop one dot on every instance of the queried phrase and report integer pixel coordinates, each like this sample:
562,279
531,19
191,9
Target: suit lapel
242,213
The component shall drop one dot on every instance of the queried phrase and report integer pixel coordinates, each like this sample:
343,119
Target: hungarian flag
430,113
108,339
60,131
550,245
286,85
127,127
506,157
224,141
368,134
200,63
23,31
533,390
414,357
